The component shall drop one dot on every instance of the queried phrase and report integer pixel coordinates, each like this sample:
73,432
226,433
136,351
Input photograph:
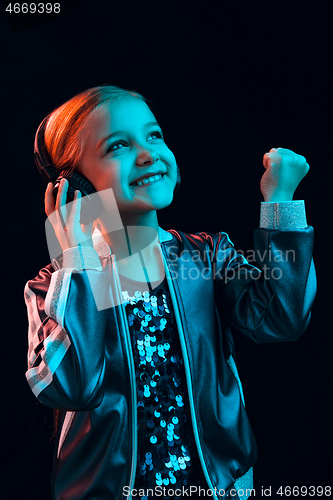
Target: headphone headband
46,169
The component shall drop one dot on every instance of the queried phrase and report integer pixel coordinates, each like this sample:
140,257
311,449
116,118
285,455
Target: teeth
149,180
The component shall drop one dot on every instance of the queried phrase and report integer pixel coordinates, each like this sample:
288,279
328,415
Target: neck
140,231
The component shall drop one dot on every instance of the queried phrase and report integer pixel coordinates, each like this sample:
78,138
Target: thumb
270,158
88,228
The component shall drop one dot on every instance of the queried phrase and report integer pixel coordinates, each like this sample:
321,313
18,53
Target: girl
130,328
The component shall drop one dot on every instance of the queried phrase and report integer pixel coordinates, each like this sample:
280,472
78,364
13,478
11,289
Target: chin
164,201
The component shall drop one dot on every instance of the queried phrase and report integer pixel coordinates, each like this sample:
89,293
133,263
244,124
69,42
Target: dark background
228,81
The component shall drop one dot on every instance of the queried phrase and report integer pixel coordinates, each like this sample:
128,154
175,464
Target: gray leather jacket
80,359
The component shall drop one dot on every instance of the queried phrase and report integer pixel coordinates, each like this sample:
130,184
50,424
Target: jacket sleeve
272,302
66,337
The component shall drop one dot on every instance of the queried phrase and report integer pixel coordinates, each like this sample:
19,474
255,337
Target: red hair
63,132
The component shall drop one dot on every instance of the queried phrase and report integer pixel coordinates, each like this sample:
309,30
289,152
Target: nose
146,157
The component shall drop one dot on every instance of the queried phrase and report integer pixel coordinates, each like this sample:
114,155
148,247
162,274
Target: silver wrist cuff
283,215
80,258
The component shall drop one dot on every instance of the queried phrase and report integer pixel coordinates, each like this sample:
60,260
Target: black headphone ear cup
76,181
91,205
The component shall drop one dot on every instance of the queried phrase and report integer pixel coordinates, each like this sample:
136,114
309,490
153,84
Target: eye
157,134
116,145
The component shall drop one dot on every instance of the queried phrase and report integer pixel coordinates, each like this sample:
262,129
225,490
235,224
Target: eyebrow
119,132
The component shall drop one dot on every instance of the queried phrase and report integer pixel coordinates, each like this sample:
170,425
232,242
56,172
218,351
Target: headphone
91,206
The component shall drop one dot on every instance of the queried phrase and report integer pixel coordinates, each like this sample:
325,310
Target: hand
284,171
68,230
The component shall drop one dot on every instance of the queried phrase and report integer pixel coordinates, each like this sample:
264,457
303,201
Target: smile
148,180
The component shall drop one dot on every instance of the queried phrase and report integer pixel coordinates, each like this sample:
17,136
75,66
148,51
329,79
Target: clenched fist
284,171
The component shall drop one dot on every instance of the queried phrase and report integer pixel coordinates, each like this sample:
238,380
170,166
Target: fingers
73,226
49,200
271,158
277,155
75,214
60,206
274,155
65,217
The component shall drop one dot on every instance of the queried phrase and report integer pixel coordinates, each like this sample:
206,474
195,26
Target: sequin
172,478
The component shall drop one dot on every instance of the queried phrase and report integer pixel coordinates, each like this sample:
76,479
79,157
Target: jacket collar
164,235
102,248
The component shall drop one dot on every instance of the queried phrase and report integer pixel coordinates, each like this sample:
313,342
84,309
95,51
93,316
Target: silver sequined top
167,454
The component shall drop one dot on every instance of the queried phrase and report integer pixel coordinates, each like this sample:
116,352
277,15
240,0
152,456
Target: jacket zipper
187,371
132,378
133,381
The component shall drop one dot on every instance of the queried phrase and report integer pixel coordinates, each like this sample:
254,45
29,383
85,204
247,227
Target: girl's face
123,148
